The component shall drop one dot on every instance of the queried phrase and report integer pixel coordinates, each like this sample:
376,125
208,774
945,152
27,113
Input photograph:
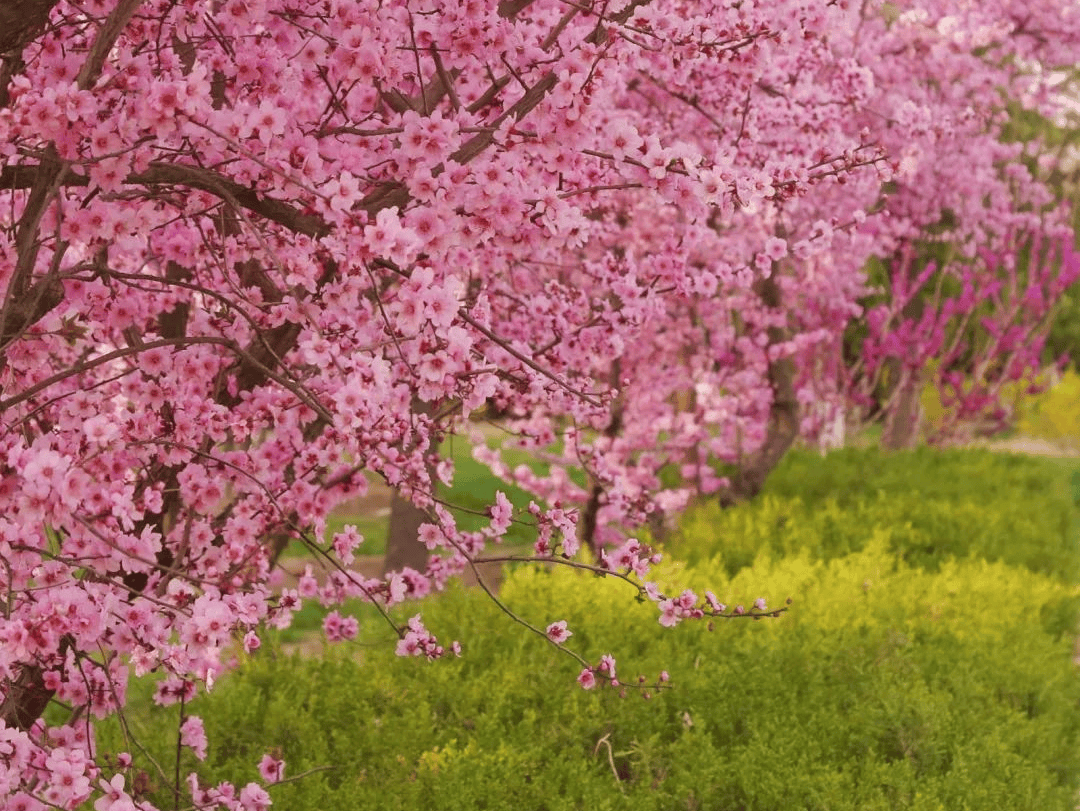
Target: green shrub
886,686
928,504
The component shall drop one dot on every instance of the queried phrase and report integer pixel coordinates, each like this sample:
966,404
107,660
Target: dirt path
1031,445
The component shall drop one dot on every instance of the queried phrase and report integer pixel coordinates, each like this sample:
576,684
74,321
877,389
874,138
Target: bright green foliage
885,687
1054,414
473,489
928,505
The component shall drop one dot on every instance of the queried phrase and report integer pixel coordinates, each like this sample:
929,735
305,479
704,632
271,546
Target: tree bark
26,698
21,21
591,513
403,546
904,418
783,424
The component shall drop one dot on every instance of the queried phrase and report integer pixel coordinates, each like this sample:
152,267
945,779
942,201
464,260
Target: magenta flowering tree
972,330
254,251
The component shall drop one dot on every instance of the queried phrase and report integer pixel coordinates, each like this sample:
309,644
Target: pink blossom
271,769
418,641
587,679
193,736
345,543
430,536
68,782
253,797
114,797
286,272
775,248
607,665
558,633
714,604
501,513
338,628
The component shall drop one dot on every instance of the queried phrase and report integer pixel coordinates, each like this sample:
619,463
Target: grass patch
931,505
473,489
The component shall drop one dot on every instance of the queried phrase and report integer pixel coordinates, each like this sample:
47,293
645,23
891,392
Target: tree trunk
21,21
26,698
783,426
403,545
904,418
590,515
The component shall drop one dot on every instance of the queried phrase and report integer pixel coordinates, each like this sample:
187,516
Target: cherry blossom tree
755,356
255,251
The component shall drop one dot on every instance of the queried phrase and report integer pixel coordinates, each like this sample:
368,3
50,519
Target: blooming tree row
899,112
253,252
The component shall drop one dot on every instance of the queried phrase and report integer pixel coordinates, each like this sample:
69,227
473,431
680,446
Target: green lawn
473,489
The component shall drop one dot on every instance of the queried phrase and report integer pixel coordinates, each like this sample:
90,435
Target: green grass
924,664
931,505
473,489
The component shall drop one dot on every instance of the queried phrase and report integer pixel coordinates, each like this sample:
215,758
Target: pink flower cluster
419,641
274,256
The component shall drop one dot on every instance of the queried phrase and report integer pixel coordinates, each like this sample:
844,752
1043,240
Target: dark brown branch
21,21
255,361
104,42
206,180
591,513
26,698
491,336
522,107
599,34
261,356
23,176
93,363
47,182
387,195
508,9
38,302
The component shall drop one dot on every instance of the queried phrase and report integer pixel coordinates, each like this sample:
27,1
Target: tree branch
107,35
23,176
21,21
